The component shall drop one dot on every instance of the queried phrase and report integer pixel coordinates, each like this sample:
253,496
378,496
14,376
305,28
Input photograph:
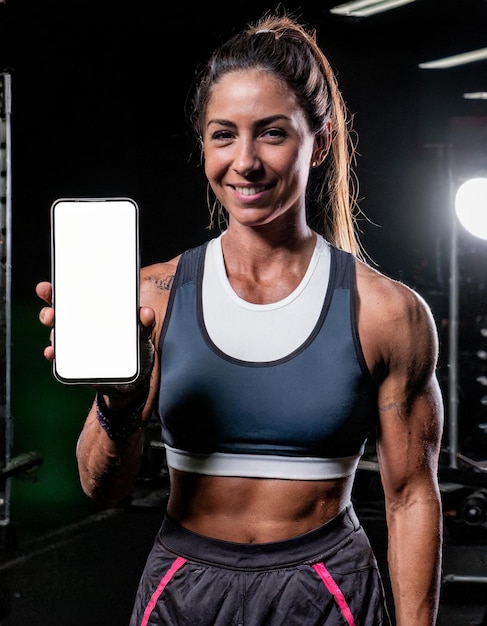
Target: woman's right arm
108,466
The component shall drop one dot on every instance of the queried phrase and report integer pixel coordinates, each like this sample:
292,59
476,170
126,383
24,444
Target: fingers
44,291
147,316
46,316
147,319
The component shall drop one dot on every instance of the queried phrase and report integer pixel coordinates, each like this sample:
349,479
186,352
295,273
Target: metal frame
9,466
6,426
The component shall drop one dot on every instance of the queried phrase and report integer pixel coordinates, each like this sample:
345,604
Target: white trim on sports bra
261,465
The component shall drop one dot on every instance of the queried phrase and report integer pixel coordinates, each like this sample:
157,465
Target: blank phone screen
95,277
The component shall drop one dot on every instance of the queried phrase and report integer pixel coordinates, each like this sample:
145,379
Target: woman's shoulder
155,286
386,294
157,278
393,317
156,281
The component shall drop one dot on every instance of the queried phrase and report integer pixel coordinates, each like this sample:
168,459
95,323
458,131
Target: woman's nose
246,159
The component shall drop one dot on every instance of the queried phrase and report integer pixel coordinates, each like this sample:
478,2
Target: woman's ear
322,146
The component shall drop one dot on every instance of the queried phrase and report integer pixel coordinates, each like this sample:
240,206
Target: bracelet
118,424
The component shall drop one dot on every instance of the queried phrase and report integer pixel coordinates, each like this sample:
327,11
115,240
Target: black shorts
326,576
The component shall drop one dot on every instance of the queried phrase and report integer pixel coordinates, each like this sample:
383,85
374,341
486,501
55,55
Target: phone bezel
87,379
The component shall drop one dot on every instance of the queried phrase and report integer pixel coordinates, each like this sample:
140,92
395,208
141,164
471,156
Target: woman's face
258,147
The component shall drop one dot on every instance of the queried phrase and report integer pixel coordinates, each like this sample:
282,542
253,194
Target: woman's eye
275,133
222,135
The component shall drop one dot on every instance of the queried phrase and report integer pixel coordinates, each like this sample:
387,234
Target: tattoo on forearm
163,283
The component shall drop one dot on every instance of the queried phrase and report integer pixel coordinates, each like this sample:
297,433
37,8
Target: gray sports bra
304,416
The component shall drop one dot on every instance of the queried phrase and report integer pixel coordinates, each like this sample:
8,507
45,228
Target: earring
314,163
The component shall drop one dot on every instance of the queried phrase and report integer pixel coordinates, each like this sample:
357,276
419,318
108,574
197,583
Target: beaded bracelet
121,423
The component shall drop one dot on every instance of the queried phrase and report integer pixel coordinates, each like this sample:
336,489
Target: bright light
456,59
476,95
471,206
363,8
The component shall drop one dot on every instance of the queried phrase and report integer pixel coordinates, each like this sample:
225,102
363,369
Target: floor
86,573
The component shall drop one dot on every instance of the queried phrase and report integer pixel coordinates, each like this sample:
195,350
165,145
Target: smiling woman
275,353
258,155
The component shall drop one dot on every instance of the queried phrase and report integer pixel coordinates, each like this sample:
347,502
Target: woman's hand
46,314
147,320
121,394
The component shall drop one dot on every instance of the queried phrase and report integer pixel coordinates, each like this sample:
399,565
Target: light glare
471,206
364,8
456,59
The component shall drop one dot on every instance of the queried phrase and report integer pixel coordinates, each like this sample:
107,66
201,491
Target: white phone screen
95,277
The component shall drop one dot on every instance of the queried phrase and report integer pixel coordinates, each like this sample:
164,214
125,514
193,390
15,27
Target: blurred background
94,96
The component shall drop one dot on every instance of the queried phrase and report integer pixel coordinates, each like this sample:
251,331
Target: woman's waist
254,510
322,543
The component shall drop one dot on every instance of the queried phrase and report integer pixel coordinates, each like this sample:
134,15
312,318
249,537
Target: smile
250,191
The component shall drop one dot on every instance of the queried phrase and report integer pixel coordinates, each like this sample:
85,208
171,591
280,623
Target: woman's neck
263,269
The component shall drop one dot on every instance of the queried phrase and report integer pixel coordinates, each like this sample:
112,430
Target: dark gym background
99,92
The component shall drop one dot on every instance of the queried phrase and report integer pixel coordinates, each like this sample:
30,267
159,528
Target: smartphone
95,277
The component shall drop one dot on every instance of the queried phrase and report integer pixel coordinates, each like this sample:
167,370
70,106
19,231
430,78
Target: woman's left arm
408,445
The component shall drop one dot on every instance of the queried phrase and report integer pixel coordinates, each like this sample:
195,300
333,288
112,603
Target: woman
274,353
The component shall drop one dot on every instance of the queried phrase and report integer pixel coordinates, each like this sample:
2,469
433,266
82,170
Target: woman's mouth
250,191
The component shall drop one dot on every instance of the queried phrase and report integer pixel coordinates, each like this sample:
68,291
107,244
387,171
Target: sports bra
305,415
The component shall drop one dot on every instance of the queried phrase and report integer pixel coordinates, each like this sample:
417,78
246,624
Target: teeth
249,191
